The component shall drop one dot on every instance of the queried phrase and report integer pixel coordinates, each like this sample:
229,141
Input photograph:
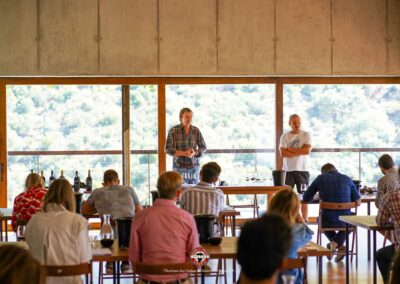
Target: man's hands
190,153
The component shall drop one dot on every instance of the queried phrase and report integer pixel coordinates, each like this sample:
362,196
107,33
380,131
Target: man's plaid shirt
388,183
390,212
178,140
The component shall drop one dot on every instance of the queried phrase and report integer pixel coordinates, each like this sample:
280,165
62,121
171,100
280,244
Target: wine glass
106,232
288,279
21,233
303,187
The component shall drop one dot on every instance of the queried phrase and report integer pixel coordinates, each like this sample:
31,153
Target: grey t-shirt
117,200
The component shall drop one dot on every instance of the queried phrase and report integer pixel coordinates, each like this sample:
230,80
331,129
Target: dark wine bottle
51,178
62,175
43,178
89,182
77,182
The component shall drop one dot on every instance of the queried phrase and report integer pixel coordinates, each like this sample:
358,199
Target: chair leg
225,272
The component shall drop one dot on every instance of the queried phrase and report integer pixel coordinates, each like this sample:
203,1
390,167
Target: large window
237,123
62,119
347,123
144,140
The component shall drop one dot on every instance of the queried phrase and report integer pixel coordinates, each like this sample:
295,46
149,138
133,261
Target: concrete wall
199,37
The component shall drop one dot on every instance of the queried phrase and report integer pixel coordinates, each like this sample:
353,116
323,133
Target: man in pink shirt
164,233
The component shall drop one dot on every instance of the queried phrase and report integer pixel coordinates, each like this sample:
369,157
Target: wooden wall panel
128,37
18,32
245,37
359,32
188,43
394,36
3,147
68,37
303,32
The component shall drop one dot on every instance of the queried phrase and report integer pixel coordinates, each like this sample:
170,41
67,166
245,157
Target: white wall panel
188,37
246,32
359,29
18,32
129,37
303,30
68,32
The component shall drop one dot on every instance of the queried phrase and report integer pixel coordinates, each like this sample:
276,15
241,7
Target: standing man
186,144
391,179
295,148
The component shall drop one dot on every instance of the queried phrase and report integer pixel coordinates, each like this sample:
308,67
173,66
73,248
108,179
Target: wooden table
252,189
228,214
5,216
228,249
366,222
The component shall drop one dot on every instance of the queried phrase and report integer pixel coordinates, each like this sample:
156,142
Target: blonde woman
30,201
287,204
56,235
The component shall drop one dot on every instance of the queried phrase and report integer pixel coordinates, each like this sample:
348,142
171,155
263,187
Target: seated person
286,203
391,179
337,188
204,198
164,233
17,266
56,235
30,201
262,246
395,271
116,200
389,212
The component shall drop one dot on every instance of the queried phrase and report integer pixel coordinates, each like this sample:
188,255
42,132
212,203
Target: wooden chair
255,205
294,263
69,270
163,269
353,230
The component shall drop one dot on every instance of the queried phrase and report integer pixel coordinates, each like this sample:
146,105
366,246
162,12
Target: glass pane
347,116
229,117
144,140
68,117
20,166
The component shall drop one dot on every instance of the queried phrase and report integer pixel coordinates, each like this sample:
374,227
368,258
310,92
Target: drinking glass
288,279
303,187
21,233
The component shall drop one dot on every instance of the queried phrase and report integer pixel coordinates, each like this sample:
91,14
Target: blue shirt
333,187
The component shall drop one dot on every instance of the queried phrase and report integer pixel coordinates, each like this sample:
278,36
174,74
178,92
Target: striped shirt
178,140
390,211
388,183
202,199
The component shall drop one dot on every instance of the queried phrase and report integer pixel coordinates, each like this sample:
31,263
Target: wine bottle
89,182
51,178
43,178
62,175
77,182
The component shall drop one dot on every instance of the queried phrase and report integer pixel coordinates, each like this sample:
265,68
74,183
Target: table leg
374,254
234,226
1,230
369,233
118,271
6,231
347,254
234,270
202,275
320,269
114,273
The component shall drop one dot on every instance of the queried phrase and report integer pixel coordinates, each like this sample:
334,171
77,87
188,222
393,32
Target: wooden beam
126,139
3,146
162,167
278,122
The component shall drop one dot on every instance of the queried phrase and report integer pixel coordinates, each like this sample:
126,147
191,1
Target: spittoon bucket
124,231
78,201
278,177
154,195
205,227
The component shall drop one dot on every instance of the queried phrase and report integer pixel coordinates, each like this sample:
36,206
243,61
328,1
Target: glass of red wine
21,233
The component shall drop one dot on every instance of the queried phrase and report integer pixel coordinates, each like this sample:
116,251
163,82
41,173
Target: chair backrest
21,222
164,269
338,206
68,270
293,263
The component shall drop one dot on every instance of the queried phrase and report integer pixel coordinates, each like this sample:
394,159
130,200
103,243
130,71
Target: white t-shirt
290,140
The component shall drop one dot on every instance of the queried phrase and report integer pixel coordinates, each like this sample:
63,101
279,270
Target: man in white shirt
295,148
